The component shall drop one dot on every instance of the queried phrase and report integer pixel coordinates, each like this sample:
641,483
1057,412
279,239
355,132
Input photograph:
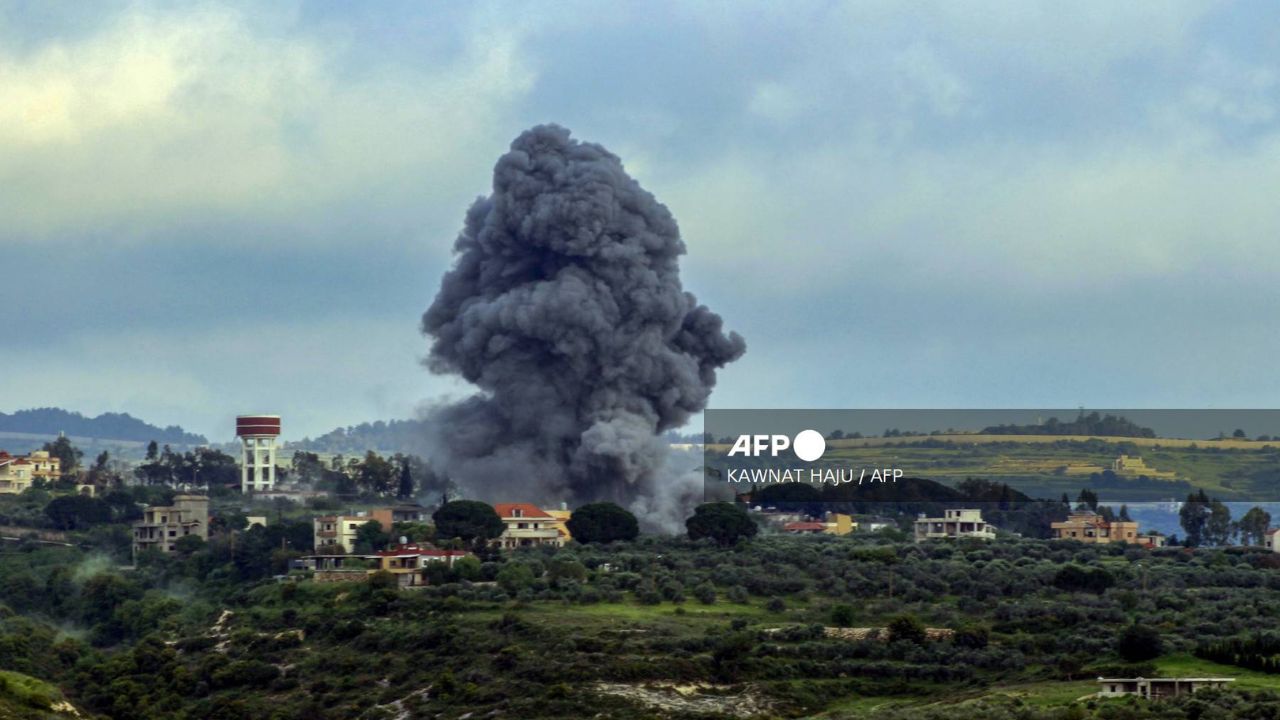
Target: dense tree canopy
601,523
726,523
469,520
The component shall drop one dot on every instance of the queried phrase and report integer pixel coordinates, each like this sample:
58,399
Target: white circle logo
809,445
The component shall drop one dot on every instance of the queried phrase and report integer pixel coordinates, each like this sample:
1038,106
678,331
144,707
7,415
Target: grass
23,697
1184,665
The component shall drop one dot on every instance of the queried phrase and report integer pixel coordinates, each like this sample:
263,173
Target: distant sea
1163,516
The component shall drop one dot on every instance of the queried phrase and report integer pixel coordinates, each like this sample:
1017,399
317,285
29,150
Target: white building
528,525
962,523
1158,688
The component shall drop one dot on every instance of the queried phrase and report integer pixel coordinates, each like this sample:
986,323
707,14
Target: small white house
1158,688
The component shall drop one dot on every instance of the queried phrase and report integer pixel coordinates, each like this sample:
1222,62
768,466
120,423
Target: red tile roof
803,526
527,510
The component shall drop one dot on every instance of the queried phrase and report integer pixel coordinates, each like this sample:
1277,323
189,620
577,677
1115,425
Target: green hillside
23,697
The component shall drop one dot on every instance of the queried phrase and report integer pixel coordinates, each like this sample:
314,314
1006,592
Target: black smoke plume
565,308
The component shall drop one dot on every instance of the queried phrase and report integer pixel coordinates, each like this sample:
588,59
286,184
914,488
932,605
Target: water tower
258,435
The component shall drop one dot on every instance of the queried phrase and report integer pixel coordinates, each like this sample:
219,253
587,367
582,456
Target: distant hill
112,426
383,436
1091,424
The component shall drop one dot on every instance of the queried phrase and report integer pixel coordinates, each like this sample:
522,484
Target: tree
972,636
1239,434
723,522
376,474
602,522
1193,517
1124,514
405,491
843,616
469,520
1139,643
188,545
370,537
1218,529
1088,500
68,455
1254,525
77,512
1074,578
906,628
514,577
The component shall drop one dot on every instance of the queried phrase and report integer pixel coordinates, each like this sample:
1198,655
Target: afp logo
808,445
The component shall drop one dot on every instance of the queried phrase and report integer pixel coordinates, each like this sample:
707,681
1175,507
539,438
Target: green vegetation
25,698
611,631
467,520
602,523
1047,466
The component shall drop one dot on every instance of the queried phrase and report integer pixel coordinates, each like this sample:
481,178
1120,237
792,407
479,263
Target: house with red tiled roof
19,472
805,528
527,525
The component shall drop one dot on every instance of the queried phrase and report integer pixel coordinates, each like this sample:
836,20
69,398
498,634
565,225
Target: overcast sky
211,209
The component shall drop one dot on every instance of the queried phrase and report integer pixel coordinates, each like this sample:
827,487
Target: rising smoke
565,308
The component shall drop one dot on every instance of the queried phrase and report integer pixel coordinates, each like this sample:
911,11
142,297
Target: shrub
1138,643
843,616
906,628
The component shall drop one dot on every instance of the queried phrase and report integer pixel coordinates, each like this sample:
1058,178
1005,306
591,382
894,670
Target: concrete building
561,518
162,525
831,524
405,562
339,530
527,526
1272,539
961,523
15,474
1158,688
407,513
1152,540
257,435
1137,467
44,466
19,472
330,530
1087,526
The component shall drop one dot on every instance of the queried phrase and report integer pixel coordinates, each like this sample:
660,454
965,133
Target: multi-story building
1087,526
406,562
339,530
561,518
407,513
15,474
162,525
1137,467
960,523
527,526
19,472
45,466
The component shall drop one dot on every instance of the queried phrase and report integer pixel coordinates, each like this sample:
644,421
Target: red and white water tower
258,435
